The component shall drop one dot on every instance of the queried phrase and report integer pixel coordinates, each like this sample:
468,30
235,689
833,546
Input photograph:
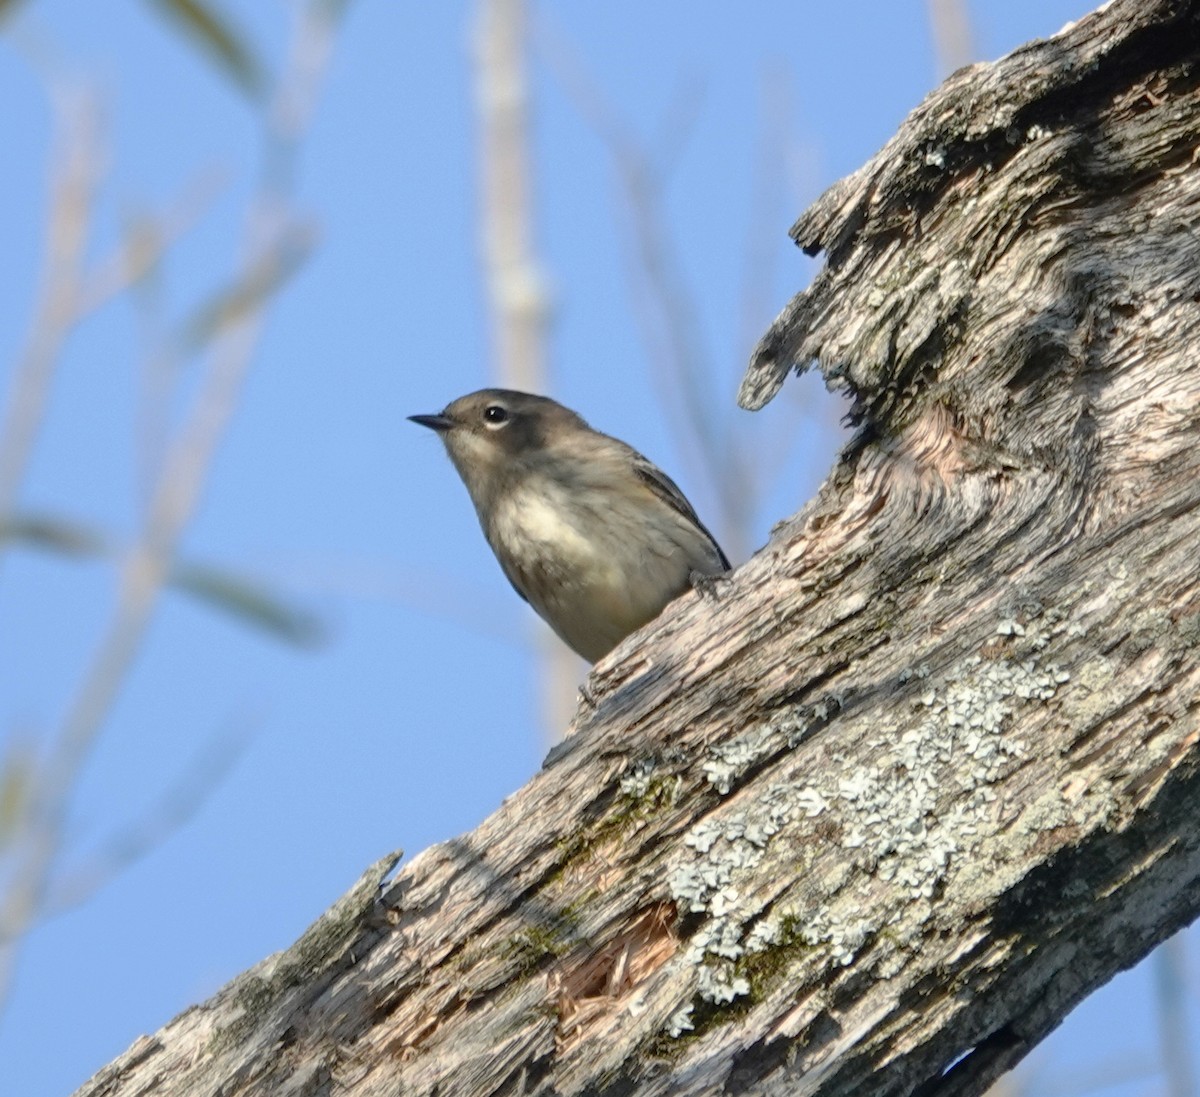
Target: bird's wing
668,491
513,583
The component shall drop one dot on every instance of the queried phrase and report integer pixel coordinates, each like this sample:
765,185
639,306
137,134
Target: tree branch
872,817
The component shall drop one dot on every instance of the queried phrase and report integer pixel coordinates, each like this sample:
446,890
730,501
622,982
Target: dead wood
923,773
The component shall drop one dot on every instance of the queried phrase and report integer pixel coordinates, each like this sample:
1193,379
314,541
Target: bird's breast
555,535
595,573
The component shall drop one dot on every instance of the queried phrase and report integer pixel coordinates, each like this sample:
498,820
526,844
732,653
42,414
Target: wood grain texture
870,817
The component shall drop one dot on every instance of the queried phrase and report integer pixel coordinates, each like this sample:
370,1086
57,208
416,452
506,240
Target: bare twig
147,563
516,287
688,380
70,289
137,267
146,244
74,179
952,39
1170,967
769,201
736,467
666,312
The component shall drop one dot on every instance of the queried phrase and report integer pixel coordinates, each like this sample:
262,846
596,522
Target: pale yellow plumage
596,538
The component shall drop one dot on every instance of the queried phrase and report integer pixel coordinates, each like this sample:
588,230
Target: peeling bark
872,817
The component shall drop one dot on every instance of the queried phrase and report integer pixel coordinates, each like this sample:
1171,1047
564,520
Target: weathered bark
922,774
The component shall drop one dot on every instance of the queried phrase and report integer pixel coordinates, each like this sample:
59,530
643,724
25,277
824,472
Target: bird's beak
440,423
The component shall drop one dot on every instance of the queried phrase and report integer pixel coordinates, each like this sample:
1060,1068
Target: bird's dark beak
440,423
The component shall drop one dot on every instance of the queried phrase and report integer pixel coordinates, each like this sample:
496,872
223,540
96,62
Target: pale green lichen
921,803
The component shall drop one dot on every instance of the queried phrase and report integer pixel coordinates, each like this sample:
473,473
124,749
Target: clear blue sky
420,713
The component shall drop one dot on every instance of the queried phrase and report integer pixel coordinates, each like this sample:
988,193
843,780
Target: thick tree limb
872,818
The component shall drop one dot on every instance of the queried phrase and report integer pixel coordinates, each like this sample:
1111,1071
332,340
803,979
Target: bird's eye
494,415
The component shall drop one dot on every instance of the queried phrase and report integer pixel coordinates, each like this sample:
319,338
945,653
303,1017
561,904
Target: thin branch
146,244
666,311
665,305
74,180
1170,967
516,287
147,563
769,199
953,41
138,268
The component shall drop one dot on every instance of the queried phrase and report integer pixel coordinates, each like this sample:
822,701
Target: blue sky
420,713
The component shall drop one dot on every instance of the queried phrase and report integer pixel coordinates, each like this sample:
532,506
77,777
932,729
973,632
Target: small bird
591,534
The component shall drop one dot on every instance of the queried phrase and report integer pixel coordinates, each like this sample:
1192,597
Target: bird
595,537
